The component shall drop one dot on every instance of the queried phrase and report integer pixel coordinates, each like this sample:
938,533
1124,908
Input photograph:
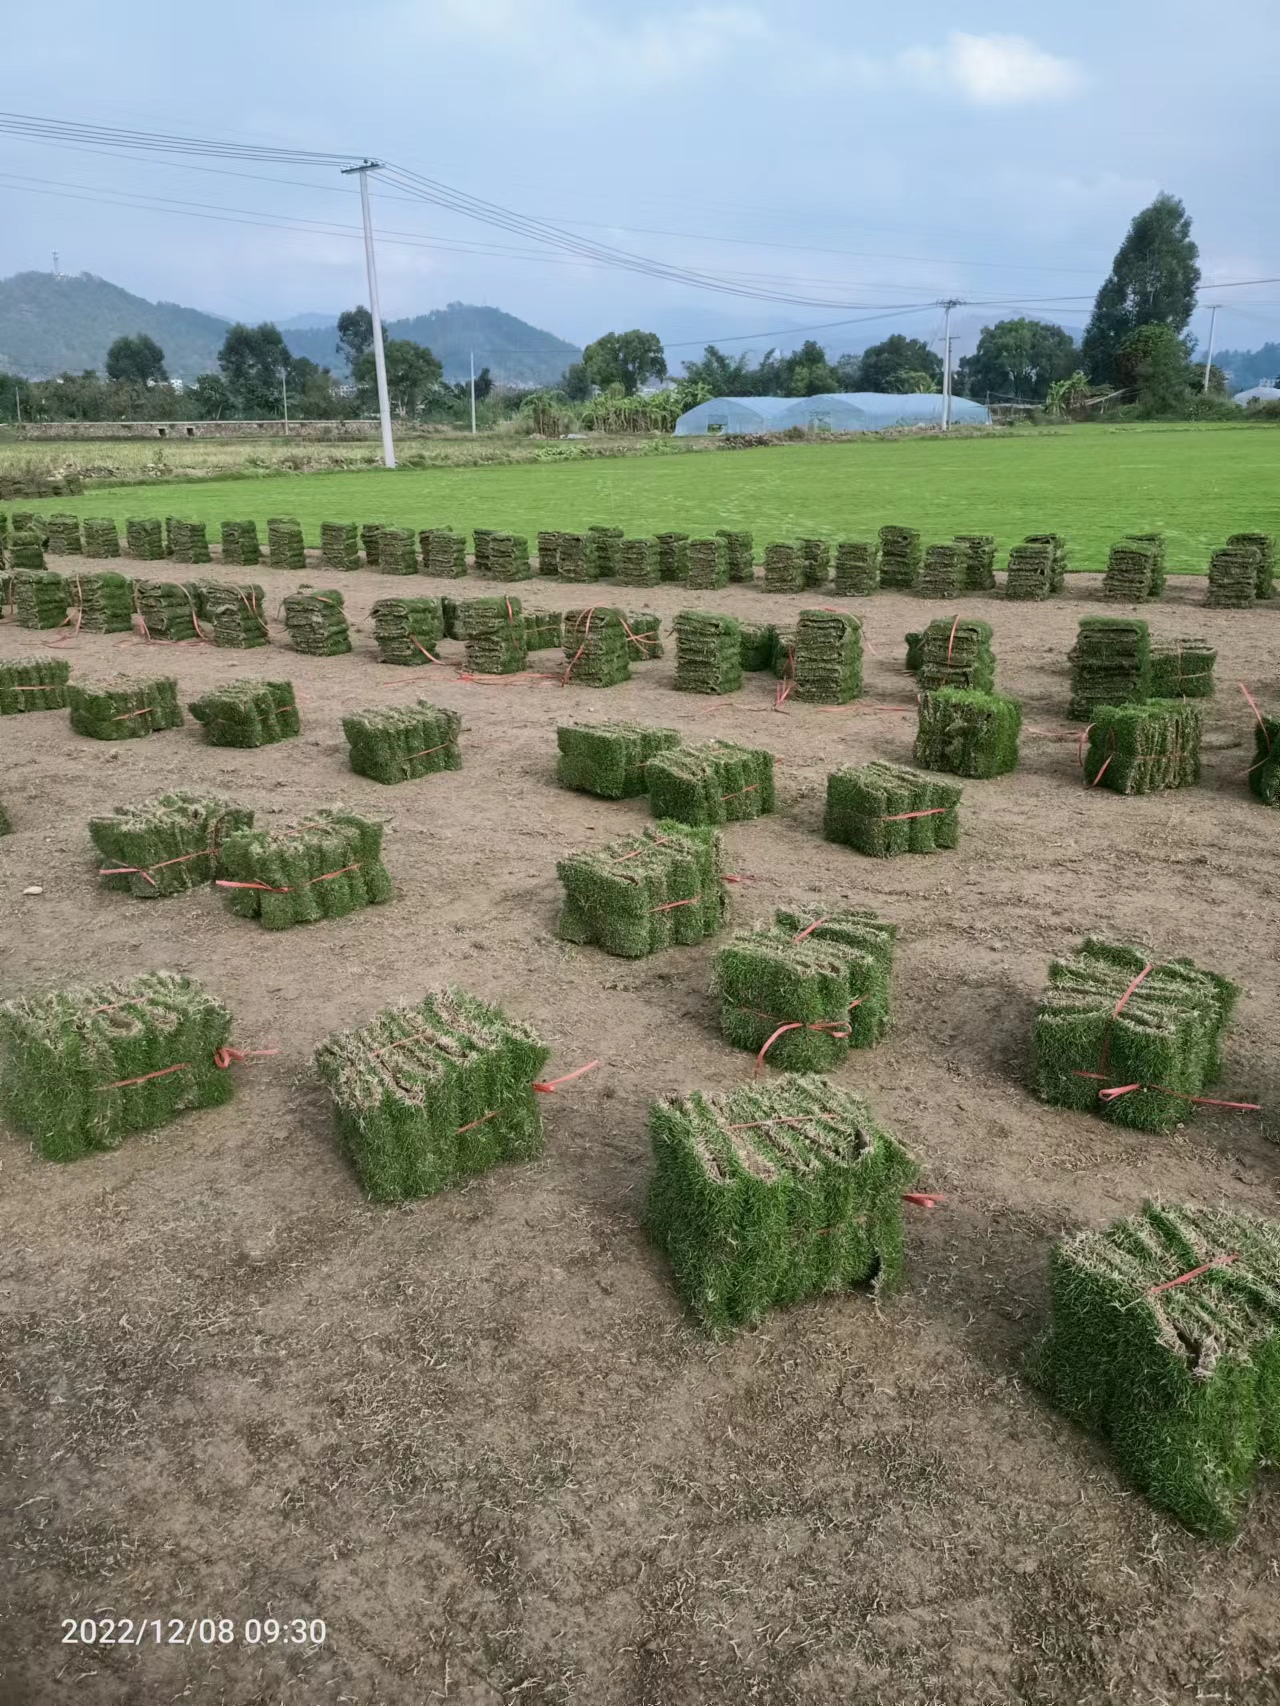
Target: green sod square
104,600
901,558
979,560
285,547
742,553
662,888
1182,669
247,713
717,783
708,564
783,568
101,537
329,865
124,707
774,1193
596,647
33,684
827,661
340,546
968,733
942,575
1264,772
316,622
673,556
857,568
41,599
240,544
609,759
1144,749
399,743
407,630
757,644
887,809
165,845
1030,571
1265,545
708,653
1110,664
955,652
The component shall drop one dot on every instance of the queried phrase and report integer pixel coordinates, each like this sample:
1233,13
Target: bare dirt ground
475,1434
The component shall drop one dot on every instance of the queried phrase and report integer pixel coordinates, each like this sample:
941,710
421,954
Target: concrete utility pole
379,354
952,302
284,386
1208,360
473,390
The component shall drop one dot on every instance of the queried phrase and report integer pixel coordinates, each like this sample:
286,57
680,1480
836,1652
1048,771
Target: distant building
836,411
1257,394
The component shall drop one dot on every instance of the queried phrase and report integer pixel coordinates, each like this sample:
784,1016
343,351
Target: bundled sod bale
105,601
1131,572
955,654
316,622
1110,664
41,599
101,537
1265,545
784,652
165,845
1159,569
85,1067
596,647
742,554
1234,574
604,552
1030,571
886,809
430,1094
64,536
673,556
188,542
968,733
330,865
708,653
756,644
573,563
638,563
783,568
247,712
369,534
815,556
1164,1341
720,782
915,653
480,549
548,542
708,564
942,573
144,540
169,610
827,664
124,707
407,630
857,571
285,546
240,544
772,1193
1058,556
1116,1018
1182,669
26,552
237,614
644,636
340,546
804,990
493,630
399,743
901,558
609,760
543,630
444,552
397,551
979,551
507,558
662,888
33,684
1144,749
1264,772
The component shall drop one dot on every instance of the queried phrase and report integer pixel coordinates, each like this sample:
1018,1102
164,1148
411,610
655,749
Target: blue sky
870,158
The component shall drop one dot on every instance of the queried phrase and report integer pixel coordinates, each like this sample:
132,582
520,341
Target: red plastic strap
951,642
923,1199
694,900
222,883
223,1057
1253,706
549,1086
833,1027
1194,1273
782,693
143,711
1114,1093
808,930
123,1083
1119,1006
739,879
901,817
145,870
738,792
428,750
481,1121
426,654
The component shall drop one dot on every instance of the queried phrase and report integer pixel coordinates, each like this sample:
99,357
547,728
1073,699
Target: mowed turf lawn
1092,484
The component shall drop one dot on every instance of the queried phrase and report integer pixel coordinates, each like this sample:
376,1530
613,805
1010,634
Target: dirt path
474,1434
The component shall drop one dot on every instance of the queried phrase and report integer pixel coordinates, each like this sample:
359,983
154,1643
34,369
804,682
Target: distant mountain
306,322
52,325
514,352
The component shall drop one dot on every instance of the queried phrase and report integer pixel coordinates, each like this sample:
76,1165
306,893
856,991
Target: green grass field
1092,484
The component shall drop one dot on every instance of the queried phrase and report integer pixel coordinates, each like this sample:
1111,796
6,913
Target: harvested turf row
886,809
492,630
85,1067
609,760
827,657
444,552
713,784
431,1094
596,648
399,743
240,544
662,888
708,652
800,992
857,569
247,713
104,601
328,866
340,546
124,707
407,630
1164,1341
165,845
954,654
773,1193
1110,664
316,622
979,550
1129,1037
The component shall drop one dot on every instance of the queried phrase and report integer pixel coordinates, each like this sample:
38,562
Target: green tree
809,373
723,375
576,382
252,360
625,358
136,361
1155,363
355,334
1153,281
1018,360
413,373
209,399
883,362
847,373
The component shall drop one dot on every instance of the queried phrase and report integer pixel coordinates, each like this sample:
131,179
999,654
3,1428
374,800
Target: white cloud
994,70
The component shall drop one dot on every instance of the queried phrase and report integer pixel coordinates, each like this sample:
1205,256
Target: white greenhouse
836,411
